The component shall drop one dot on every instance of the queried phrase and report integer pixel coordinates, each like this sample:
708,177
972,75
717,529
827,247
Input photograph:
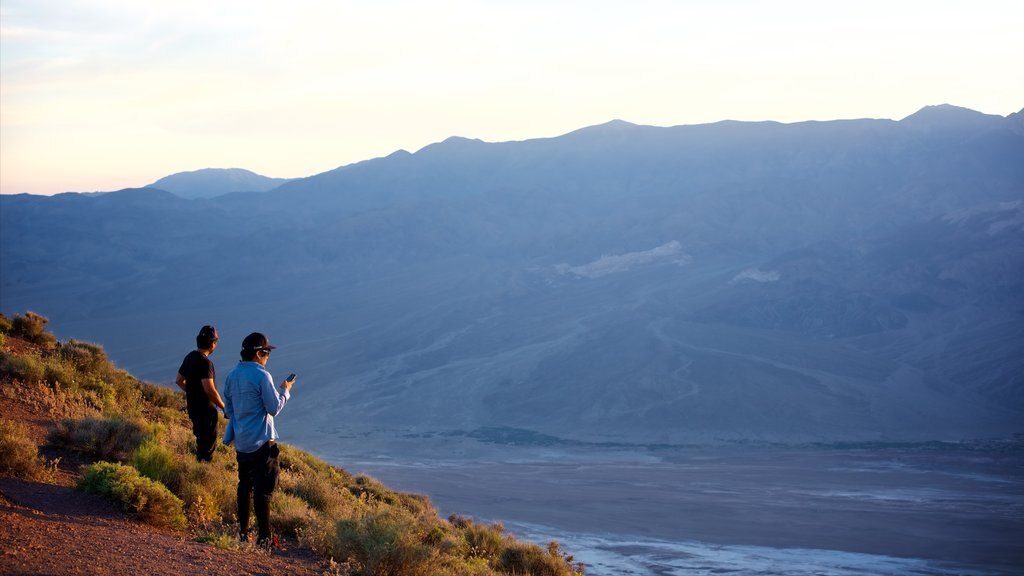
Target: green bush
5,324
479,541
523,558
103,438
59,374
383,543
149,500
160,396
26,368
20,454
32,328
156,462
86,357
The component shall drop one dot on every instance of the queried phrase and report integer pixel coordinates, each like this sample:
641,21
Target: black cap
207,333
256,342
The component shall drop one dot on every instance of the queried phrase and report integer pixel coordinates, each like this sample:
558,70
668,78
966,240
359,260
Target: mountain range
853,280
212,182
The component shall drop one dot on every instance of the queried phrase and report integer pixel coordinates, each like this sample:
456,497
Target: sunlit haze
107,94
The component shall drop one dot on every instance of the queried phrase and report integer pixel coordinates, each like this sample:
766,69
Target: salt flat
923,509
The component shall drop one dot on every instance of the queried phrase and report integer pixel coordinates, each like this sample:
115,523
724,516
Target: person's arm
211,393
180,381
273,402
228,408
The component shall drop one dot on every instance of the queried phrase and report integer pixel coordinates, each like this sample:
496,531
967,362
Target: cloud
614,264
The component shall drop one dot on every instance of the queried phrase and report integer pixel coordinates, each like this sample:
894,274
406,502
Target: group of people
250,401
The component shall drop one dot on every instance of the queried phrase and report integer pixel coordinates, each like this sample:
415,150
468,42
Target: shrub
86,357
288,513
384,543
59,374
156,462
103,438
160,396
20,454
323,495
524,558
149,500
32,327
5,324
25,368
479,541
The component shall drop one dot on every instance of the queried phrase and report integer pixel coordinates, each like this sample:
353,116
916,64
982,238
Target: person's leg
206,434
263,491
246,476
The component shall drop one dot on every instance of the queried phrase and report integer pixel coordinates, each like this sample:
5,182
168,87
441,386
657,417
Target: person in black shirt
197,377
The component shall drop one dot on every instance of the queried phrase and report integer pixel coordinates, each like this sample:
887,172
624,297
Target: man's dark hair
248,355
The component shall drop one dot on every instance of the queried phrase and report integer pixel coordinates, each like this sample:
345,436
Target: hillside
98,477
213,182
852,280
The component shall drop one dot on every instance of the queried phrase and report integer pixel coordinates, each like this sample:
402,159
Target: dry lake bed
929,509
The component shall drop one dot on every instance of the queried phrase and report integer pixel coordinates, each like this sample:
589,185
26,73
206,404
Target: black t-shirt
196,368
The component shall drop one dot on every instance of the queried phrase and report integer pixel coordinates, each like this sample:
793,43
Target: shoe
270,544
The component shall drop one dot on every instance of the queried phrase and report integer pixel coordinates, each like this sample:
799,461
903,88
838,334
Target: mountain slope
847,280
212,182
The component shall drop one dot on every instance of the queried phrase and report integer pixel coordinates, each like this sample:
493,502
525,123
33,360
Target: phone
290,377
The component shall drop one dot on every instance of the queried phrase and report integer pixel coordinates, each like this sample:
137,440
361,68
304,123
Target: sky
99,95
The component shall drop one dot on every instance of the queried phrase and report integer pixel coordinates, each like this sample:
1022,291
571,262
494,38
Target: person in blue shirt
251,401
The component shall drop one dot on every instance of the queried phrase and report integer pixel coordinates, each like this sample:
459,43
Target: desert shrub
160,396
216,539
156,462
149,500
208,489
32,328
479,541
59,374
524,558
5,324
86,357
323,495
384,543
370,490
103,438
20,454
289,514
26,368
3,339
317,534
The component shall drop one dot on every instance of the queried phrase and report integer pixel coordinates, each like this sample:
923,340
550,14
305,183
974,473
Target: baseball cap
207,333
256,341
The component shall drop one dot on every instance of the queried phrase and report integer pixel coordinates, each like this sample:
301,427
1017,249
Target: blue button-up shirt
251,401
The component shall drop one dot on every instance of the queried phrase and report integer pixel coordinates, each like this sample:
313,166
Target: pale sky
107,94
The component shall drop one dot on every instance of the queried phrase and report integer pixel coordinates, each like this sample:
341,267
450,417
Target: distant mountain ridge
818,281
213,182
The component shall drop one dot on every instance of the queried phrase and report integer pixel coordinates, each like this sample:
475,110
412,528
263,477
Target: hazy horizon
119,94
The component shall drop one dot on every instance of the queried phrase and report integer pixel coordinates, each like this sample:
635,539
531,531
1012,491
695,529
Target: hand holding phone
288,381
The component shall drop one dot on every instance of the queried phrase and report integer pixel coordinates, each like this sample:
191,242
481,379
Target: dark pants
204,427
257,476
